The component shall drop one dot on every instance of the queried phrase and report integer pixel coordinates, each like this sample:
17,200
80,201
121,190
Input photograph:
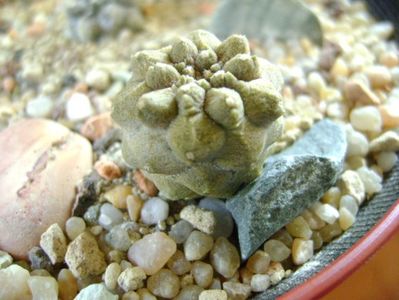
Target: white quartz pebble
109,216
43,288
386,160
326,212
78,107
39,107
260,282
357,143
74,226
371,180
366,118
154,210
98,79
349,203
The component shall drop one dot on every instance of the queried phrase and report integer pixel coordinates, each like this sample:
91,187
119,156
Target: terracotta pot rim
346,264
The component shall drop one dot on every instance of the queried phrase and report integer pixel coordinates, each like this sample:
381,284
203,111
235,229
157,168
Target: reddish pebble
146,185
97,126
8,84
81,87
107,169
36,29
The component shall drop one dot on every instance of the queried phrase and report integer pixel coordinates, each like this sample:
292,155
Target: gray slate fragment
291,181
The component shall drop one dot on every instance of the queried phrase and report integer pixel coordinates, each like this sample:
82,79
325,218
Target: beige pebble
164,284
237,291
325,212
145,294
283,236
146,185
84,258
351,184
339,69
346,218
213,295
299,228
97,126
131,296
245,275
67,285
258,262
390,114
35,160
276,272
14,283
358,92
379,76
179,264
197,245
132,279
107,169
201,219
43,287
317,240
260,282
202,273
389,59
366,118
152,252
302,251
5,259
330,231
189,292
134,204
98,79
224,257
117,195
111,275
74,226
388,141
8,84
386,160
40,272
313,220
187,280
277,250
53,243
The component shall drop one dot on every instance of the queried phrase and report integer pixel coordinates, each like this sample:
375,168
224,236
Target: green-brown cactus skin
198,116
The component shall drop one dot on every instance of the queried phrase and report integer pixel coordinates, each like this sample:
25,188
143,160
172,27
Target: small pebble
146,185
357,142
386,160
332,196
326,212
109,216
201,219
74,226
388,141
5,259
349,203
40,272
317,240
78,107
43,287
152,252
131,296
96,230
111,275
390,114
146,295
84,258
39,107
283,236
190,292
259,262
366,118
164,284
96,291
224,257
179,264
379,76
277,250
302,251
358,92
67,285
154,210
330,231
389,59
186,280
197,245
108,170
236,290
180,231
260,282
116,256
202,273
98,79
213,295
121,236
314,221
39,259
53,242
346,218
134,204
299,228
97,126
350,183
14,283
117,195
132,279
371,180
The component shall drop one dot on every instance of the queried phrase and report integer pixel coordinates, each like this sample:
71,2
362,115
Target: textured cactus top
198,116
89,19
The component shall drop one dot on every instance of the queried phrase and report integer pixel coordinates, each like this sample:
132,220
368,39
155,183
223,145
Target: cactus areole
198,116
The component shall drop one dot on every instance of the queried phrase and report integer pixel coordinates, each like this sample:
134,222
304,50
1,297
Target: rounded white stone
349,203
154,210
39,107
78,107
74,226
386,160
326,212
371,180
260,282
109,216
357,143
98,79
366,118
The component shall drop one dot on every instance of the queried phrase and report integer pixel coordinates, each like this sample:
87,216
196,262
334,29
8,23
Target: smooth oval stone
42,162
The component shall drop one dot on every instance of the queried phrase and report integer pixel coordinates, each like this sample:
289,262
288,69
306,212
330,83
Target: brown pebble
36,29
97,126
8,84
389,59
107,169
146,185
134,204
81,87
67,285
358,92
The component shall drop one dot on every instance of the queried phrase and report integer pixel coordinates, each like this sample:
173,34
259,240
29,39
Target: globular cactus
89,19
198,116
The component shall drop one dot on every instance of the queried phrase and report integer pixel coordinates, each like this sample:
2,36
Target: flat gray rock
291,181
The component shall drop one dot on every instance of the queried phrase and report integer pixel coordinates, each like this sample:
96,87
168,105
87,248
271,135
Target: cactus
89,19
198,116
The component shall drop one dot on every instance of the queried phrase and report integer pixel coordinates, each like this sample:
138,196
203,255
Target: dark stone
87,194
291,181
39,259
